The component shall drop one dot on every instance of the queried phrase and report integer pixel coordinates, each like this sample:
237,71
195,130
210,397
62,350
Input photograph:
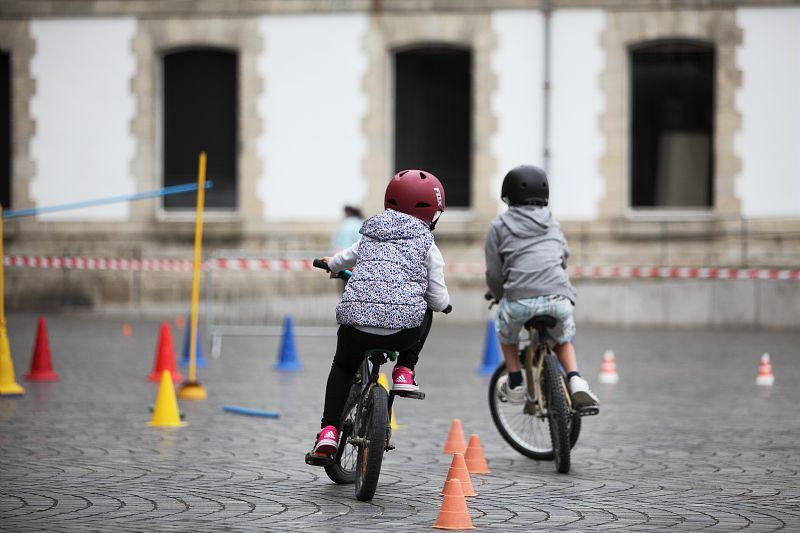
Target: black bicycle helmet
525,185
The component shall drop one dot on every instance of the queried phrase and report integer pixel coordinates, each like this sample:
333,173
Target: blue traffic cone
200,361
491,351
287,357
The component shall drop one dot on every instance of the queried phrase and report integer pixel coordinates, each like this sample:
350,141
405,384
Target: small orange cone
127,330
608,370
765,376
454,513
41,364
165,412
458,470
455,439
165,356
476,462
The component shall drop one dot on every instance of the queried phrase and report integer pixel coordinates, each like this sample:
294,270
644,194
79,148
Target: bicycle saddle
541,322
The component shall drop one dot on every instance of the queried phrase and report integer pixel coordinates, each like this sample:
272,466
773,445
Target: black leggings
350,347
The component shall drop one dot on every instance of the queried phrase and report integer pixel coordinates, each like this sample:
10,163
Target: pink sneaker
327,441
403,379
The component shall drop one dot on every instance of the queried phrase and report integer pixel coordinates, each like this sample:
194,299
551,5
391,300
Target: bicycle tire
558,413
375,420
526,433
574,429
343,471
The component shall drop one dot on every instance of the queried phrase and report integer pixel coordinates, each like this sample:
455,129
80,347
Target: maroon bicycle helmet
415,192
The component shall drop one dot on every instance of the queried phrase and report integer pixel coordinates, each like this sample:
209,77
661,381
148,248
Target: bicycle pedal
414,395
318,460
589,410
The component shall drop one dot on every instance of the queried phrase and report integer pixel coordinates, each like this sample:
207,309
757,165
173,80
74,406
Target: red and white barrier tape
244,264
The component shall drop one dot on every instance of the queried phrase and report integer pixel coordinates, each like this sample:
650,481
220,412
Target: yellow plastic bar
198,252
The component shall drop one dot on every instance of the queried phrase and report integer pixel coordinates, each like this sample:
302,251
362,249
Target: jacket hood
527,220
393,225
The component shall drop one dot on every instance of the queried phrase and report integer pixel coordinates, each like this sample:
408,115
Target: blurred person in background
348,232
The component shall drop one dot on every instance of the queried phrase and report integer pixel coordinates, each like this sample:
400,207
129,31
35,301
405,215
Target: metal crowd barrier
251,293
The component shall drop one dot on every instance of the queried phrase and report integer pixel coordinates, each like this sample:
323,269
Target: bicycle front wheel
525,431
374,424
557,413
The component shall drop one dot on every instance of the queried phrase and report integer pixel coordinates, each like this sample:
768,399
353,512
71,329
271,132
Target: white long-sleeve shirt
436,295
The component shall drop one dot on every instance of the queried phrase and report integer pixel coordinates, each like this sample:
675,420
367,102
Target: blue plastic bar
164,191
251,412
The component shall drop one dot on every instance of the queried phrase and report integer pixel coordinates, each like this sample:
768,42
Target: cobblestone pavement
685,441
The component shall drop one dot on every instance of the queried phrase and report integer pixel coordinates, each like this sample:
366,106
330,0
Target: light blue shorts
512,315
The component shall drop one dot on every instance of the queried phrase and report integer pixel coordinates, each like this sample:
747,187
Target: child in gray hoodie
526,272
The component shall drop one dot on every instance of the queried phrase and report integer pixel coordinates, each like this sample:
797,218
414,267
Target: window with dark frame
433,117
5,129
201,114
672,126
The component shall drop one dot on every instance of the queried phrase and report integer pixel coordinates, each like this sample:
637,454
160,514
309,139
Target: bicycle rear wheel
343,471
558,413
373,427
526,432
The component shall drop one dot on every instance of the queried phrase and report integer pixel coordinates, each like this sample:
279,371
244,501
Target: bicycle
547,401
365,427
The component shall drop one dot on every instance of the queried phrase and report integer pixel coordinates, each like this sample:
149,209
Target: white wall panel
82,107
769,102
517,101
576,143
312,108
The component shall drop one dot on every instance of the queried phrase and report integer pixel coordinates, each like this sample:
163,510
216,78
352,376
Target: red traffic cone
165,357
41,366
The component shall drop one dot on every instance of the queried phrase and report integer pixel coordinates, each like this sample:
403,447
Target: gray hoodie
525,254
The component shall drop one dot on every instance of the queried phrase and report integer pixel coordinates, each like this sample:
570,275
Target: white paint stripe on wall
517,101
312,107
83,106
576,143
768,143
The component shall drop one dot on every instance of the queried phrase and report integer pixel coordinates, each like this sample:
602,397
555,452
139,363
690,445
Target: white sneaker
507,394
582,395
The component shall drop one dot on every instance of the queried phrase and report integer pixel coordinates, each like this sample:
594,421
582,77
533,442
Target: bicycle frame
535,352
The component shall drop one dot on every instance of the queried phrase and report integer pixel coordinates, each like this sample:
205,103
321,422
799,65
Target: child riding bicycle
526,272
388,303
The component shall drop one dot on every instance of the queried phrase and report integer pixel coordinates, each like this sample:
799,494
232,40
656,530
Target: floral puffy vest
390,277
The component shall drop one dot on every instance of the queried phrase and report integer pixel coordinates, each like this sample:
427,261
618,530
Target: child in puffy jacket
526,272
397,283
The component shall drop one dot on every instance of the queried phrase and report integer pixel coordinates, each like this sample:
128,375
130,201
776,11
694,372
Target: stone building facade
319,101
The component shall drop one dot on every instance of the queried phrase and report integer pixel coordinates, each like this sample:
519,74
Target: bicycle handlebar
322,265
346,274
489,297
319,263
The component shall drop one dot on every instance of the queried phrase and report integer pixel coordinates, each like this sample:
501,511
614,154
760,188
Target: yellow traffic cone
166,412
383,382
8,385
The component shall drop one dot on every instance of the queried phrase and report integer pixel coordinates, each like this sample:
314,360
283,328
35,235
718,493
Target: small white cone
608,370
765,376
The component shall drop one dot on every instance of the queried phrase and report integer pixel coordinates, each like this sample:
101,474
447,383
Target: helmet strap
432,225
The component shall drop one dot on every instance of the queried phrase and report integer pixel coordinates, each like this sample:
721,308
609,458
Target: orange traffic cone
165,357
765,376
454,513
608,370
41,365
476,462
458,470
455,439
